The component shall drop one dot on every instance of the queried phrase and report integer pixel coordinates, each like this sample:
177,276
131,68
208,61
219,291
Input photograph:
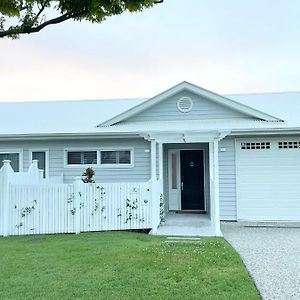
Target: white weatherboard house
234,157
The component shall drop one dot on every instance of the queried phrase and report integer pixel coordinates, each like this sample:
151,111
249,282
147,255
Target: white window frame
15,151
79,150
117,166
46,158
99,165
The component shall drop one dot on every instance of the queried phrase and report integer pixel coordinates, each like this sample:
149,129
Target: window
41,157
112,157
109,158
257,145
289,145
174,171
82,157
13,157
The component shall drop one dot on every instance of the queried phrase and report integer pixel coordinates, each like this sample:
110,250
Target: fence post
34,172
41,175
77,200
6,172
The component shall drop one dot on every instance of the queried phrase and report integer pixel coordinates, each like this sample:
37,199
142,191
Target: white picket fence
44,208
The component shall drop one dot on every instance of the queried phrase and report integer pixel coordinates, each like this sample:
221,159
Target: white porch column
153,159
160,160
154,189
214,185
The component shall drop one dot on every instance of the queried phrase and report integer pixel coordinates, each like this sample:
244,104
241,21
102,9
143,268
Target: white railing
32,208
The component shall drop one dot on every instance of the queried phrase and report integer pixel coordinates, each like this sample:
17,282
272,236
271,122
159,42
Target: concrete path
186,225
272,256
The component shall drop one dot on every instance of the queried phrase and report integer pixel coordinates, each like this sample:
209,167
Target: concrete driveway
271,253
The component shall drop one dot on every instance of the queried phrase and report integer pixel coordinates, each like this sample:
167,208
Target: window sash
82,158
116,157
105,157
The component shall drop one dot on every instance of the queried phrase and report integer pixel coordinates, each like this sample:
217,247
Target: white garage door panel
268,180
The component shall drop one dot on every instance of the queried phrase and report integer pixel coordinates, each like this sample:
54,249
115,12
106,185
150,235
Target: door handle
182,185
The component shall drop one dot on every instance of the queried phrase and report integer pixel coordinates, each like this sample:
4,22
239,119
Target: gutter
258,131
100,135
62,136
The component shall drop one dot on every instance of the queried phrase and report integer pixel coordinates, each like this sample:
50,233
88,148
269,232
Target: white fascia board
266,131
197,90
185,137
56,136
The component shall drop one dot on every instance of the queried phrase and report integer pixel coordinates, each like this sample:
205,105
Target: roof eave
253,131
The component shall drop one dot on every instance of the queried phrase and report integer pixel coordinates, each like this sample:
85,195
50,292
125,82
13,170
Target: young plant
88,175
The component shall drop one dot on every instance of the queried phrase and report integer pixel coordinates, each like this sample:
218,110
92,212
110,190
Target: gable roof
197,90
76,116
285,105
80,117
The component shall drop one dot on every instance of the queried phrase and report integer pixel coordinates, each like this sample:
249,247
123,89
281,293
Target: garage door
268,179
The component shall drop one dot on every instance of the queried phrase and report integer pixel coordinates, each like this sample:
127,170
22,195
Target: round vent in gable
185,104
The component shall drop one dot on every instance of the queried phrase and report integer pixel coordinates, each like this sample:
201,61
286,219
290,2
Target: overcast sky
227,46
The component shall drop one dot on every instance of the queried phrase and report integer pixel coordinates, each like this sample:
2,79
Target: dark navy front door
192,180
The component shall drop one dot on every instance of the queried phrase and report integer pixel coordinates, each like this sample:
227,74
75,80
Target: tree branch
40,11
20,30
32,24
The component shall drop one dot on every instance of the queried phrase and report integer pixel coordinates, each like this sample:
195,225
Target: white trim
185,137
236,154
178,179
102,135
15,151
79,149
214,186
160,161
264,131
197,90
155,188
118,166
67,136
217,189
47,161
99,165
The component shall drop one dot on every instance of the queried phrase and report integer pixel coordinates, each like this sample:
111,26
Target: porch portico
191,200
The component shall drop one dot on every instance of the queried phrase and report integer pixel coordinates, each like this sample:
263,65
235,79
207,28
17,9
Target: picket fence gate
48,208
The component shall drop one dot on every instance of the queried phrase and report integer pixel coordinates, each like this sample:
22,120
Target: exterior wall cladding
203,109
140,171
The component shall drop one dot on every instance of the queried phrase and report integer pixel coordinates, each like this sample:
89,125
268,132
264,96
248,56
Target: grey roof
284,105
54,117
59,116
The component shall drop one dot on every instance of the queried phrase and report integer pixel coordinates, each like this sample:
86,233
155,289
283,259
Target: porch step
182,239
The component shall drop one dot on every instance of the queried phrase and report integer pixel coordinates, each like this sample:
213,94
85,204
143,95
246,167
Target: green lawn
120,265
